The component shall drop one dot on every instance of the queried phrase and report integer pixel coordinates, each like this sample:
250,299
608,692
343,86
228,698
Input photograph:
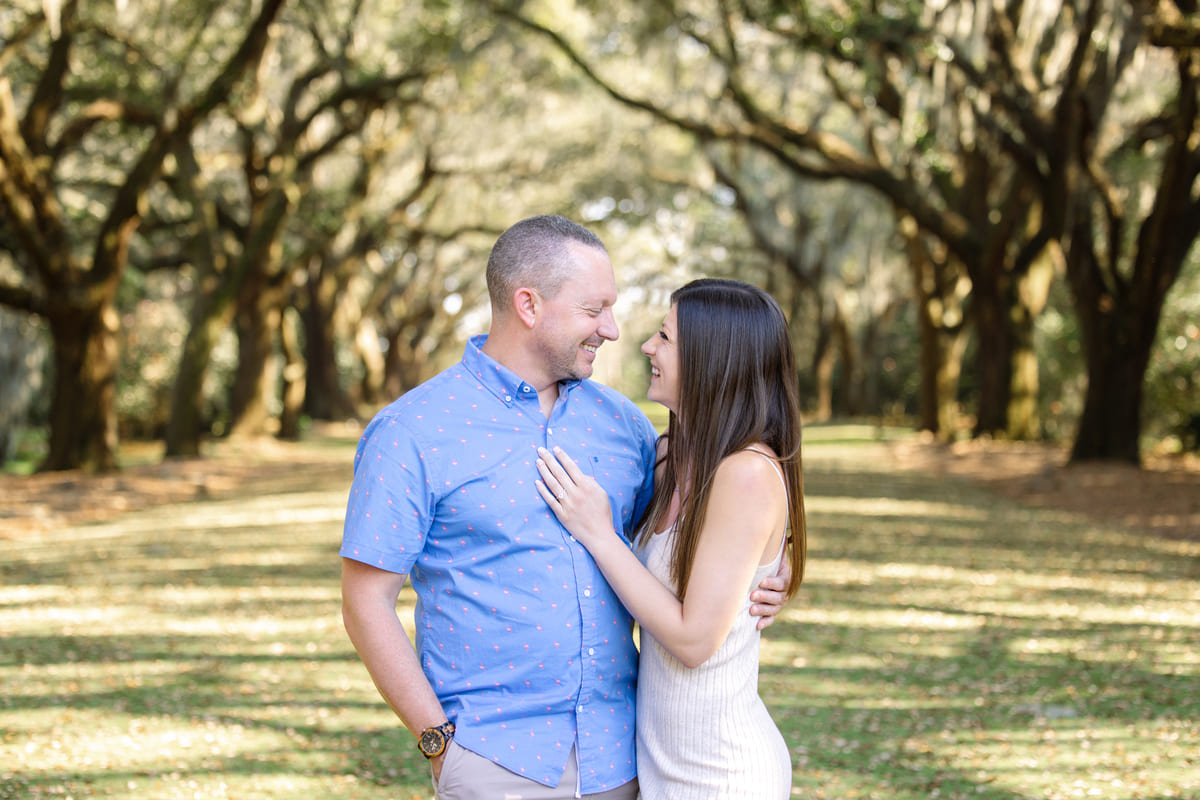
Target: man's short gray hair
535,253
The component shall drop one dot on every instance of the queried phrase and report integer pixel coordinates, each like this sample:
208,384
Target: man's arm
369,614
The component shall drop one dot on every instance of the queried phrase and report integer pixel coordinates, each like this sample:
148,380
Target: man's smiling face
579,318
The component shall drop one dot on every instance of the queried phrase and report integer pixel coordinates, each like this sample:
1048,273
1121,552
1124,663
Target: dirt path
1162,498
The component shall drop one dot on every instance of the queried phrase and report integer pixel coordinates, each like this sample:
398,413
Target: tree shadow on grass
905,711
357,762
950,642
943,641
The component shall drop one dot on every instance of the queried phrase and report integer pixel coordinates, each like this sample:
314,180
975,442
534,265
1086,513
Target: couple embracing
536,512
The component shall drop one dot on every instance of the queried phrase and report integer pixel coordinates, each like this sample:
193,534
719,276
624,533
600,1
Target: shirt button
579,709
507,398
525,389
591,651
587,592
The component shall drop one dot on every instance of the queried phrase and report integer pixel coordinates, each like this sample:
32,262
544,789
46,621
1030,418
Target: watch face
432,742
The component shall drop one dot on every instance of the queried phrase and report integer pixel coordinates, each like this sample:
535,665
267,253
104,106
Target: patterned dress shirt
524,642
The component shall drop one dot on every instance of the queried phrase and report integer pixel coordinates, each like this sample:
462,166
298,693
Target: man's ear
528,304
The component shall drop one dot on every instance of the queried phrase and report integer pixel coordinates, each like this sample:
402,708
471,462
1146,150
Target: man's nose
608,326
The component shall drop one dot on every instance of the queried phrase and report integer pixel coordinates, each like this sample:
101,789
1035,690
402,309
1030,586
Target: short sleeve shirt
524,642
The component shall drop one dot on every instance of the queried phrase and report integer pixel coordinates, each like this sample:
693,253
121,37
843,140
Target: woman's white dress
704,733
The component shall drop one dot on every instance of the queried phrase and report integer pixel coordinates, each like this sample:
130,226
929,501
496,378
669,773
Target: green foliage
898,367
153,325
1172,403
1061,379
1172,382
152,331
24,357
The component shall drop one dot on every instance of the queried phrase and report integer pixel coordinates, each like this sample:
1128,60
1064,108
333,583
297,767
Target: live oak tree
73,195
292,144
825,249
354,166
978,121
742,72
1136,215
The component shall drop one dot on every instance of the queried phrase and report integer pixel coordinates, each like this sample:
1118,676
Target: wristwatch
433,741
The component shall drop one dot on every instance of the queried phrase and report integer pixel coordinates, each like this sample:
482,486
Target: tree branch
49,91
105,110
124,214
34,216
22,299
1169,28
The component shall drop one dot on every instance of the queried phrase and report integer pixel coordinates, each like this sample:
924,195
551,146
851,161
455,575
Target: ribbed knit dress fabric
704,733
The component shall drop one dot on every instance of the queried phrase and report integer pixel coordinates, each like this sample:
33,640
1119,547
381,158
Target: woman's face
662,348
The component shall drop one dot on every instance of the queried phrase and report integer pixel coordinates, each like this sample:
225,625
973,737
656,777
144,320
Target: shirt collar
499,379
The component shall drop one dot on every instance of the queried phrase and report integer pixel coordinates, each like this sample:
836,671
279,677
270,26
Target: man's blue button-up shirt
525,643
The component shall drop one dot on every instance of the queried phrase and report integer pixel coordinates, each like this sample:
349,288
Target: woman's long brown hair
737,387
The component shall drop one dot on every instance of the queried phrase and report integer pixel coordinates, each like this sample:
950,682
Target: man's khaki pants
467,776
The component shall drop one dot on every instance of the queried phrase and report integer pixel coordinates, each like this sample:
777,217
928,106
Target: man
522,681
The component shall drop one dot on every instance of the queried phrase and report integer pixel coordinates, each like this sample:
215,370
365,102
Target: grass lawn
946,644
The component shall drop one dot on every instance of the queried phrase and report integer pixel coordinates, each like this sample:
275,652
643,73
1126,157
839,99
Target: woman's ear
528,304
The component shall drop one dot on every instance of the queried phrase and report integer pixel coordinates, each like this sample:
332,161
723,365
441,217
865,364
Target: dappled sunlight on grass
935,625
945,644
890,507
923,510
1077,760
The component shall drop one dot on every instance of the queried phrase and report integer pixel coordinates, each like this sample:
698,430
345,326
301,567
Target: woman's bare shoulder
748,471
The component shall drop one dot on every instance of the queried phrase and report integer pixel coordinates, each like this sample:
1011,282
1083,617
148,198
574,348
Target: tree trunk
1023,421
1119,315
404,364
366,344
409,355
394,380
1007,367
185,428
293,376
257,320
324,396
930,358
851,401
824,360
1110,425
941,349
1116,353
952,342
868,380
1119,329
937,289
1029,300
261,297
993,360
83,420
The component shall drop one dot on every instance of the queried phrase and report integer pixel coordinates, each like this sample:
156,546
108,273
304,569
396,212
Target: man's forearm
393,665
369,614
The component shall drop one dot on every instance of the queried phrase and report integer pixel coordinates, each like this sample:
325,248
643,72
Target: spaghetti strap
775,464
787,514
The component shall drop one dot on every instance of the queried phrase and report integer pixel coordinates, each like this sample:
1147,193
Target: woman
727,509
